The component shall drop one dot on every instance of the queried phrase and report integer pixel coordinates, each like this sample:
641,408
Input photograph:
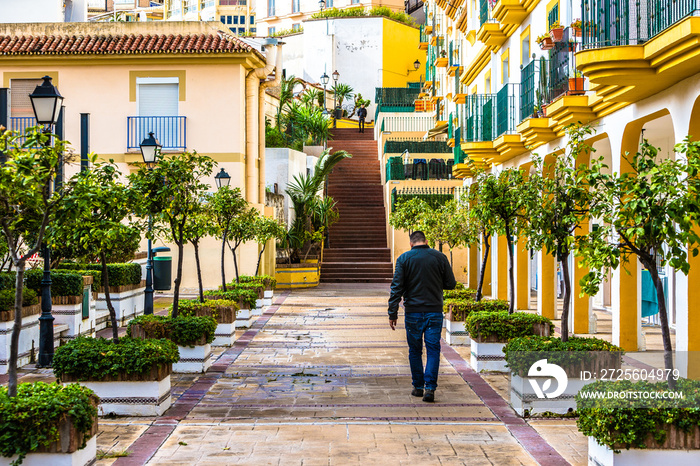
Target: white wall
281,165
31,11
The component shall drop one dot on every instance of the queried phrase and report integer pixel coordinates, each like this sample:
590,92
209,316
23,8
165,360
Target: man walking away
420,276
362,114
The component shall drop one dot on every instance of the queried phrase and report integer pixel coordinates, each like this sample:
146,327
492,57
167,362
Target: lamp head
324,79
336,75
46,102
222,179
150,147
416,64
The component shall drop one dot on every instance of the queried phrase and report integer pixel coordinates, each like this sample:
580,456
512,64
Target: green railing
423,36
396,99
507,109
629,22
484,11
478,121
415,146
530,95
436,197
454,54
419,169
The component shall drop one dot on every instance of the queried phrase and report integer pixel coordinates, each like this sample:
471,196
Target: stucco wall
31,11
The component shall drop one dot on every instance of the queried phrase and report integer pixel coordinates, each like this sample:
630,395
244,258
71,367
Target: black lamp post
46,103
335,75
324,80
150,147
222,179
322,5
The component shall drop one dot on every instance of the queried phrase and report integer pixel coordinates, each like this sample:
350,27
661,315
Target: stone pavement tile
112,438
564,436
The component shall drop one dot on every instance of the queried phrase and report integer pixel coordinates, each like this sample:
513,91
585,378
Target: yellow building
237,15
193,84
507,77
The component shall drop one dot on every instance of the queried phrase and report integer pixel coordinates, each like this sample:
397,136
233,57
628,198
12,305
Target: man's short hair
417,237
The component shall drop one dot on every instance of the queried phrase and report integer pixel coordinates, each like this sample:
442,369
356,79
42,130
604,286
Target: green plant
120,274
31,419
184,331
245,296
462,308
459,293
504,326
7,280
555,25
227,205
95,274
210,307
94,359
274,137
617,424
266,280
62,284
576,24
7,299
522,352
542,38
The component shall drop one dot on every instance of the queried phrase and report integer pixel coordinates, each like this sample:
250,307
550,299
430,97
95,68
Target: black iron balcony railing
629,22
416,146
171,131
419,169
507,109
436,197
531,98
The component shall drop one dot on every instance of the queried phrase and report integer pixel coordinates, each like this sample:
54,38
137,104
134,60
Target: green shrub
31,419
274,137
182,330
462,293
62,283
523,352
188,308
265,280
119,274
96,358
95,274
462,308
504,326
7,280
623,423
246,296
7,299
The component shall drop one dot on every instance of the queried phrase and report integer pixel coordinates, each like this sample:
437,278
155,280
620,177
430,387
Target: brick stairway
358,252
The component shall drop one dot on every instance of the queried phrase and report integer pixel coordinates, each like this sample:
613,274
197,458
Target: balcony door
158,100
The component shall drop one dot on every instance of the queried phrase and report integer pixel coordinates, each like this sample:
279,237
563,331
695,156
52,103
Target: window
241,31
505,70
295,6
296,27
270,31
354,2
329,3
20,104
252,20
270,7
223,19
157,96
241,20
235,20
228,20
525,47
552,13
253,30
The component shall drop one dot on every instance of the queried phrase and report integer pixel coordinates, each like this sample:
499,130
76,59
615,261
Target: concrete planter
297,275
455,333
193,360
267,297
132,394
488,356
601,455
225,334
244,318
524,398
128,302
68,310
63,452
28,336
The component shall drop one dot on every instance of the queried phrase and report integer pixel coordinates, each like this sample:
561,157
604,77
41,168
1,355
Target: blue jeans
428,326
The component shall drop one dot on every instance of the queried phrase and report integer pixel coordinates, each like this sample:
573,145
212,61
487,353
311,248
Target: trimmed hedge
62,283
119,274
95,274
265,280
462,308
504,326
523,352
7,280
246,296
462,293
95,358
184,331
31,420
617,423
7,299
190,308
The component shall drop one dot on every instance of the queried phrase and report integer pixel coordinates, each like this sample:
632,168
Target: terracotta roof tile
123,44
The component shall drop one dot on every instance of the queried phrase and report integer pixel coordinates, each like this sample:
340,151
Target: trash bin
338,113
162,272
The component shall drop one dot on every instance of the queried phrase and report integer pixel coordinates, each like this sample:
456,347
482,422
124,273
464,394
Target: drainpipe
261,104
252,90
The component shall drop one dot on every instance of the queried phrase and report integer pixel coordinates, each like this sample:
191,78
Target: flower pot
576,31
557,34
546,43
576,86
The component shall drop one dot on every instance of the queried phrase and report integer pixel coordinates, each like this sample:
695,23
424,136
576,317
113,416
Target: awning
440,129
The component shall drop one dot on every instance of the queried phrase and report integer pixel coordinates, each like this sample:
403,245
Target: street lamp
416,64
322,5
150,147
324,80
46,104
222,179
335,75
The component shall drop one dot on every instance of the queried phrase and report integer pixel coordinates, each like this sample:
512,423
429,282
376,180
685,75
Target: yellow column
522,276
581,305
547,292
694,318
486,288
502,270
473,267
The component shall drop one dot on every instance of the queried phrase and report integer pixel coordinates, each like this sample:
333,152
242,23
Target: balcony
436,197
424,39
634,49
396,99
171,131
404,123
419,169
416,146
490,33
454,54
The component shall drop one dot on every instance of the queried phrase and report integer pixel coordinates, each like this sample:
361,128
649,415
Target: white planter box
101,319
600,455
259,303
244,318
267,297
455,333
258,311
523,396
28,340
150,398
127,304
224,335
488,357
72,316
86,456
193,360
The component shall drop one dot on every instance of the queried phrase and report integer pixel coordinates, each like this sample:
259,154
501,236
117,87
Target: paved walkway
321,379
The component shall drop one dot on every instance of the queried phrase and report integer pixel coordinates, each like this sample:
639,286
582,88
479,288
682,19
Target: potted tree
221,310
48,424
131,376
490,331
244,298
192,335
456,313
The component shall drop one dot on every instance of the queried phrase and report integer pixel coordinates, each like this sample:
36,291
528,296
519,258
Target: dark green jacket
420,276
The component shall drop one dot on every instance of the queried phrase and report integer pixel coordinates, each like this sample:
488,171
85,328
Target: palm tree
342,93
286,95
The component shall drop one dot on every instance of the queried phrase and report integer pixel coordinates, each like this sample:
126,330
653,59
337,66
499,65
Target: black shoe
429,395
417,392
